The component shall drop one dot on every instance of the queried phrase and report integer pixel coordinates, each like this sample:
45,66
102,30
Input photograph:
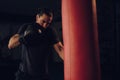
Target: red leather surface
80,41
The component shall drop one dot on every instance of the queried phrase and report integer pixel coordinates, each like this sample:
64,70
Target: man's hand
14,41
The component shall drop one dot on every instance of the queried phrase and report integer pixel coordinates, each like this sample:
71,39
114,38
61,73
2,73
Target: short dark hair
46,11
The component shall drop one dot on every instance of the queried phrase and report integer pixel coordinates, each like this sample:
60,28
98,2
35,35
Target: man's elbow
10,44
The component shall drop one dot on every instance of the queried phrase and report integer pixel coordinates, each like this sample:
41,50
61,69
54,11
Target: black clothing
23,76
36,42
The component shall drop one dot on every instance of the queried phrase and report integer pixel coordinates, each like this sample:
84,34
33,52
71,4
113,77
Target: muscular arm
14,41
59,49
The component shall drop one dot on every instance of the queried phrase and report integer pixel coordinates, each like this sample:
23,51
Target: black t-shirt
36,42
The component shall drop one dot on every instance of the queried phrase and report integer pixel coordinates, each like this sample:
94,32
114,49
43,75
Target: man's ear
37,16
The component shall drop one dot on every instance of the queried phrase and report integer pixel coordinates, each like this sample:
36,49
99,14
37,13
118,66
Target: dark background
13,13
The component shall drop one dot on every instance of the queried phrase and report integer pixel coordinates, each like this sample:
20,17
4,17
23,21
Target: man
36,40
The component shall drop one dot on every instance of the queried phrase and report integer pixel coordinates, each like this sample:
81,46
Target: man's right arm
28,38
14,41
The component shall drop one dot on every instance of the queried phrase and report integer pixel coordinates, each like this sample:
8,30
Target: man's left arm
59,49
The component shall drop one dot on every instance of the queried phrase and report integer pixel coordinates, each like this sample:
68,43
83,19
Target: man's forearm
14,41
61,54
59,49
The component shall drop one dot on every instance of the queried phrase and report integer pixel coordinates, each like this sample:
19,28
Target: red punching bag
81,53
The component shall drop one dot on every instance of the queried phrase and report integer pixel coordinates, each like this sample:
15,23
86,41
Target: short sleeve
22,29
28,34
53,36
21,32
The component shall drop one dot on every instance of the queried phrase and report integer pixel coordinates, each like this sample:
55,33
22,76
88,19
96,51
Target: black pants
23,76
